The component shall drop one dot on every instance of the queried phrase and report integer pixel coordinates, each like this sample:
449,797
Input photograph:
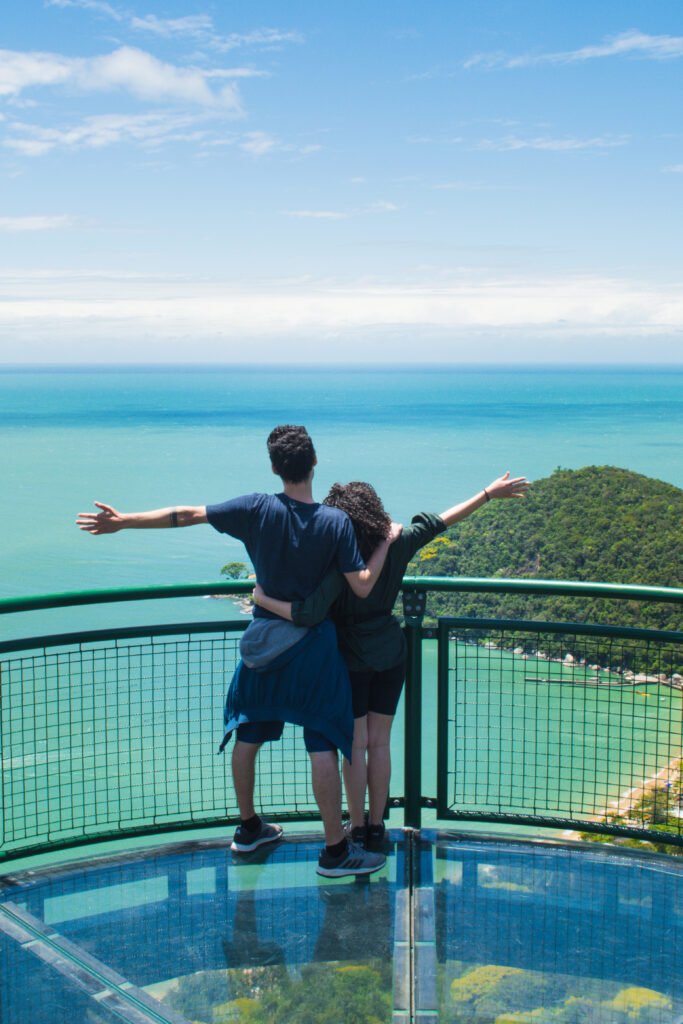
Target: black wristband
488,496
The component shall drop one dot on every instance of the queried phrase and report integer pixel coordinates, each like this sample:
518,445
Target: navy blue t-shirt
291,543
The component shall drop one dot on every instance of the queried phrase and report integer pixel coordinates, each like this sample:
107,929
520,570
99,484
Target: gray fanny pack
264,639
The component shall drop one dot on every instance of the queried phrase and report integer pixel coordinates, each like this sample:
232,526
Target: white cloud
152,129
632,43
199,27
511,143
674,169
265,38
35,223
127,68
436,72
470,186
237,73
430,140
258,143
316,214
381,206
89,5
196,25
93,306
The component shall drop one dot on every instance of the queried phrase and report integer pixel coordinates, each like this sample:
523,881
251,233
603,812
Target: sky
341,182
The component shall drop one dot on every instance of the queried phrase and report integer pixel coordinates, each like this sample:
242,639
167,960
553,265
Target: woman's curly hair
365,510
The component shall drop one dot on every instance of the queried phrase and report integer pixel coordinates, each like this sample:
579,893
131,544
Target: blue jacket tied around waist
307,685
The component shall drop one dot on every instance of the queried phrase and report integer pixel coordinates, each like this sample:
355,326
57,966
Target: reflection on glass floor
452,930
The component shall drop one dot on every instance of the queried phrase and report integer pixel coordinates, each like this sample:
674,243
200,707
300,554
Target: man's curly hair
365,510
291,453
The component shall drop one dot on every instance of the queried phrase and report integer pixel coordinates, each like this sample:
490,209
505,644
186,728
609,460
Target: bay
425,438
145,438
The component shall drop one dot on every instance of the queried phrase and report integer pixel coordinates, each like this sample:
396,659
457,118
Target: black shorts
270,732
377,691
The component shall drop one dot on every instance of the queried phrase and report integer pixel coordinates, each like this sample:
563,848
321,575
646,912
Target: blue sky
341,182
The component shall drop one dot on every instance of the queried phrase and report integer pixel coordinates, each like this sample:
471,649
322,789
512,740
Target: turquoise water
426,438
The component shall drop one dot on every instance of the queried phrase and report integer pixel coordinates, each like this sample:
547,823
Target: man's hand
362,582
504,487
108,520
395,531
258,593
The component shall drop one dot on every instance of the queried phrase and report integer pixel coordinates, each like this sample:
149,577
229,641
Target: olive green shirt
369,635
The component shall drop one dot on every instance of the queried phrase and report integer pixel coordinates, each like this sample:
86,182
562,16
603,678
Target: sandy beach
622,806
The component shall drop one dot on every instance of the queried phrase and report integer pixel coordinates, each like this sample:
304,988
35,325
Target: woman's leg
378,764
383,697
355,773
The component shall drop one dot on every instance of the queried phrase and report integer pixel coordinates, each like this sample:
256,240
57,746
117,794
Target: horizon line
291,367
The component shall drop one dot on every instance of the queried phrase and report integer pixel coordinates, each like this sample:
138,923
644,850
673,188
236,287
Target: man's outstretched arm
108,520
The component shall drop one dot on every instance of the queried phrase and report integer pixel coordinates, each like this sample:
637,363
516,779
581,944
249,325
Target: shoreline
670,773
243,603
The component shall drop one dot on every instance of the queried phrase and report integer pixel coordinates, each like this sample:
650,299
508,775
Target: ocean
148,438
426,438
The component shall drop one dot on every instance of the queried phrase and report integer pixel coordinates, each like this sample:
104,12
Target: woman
371,639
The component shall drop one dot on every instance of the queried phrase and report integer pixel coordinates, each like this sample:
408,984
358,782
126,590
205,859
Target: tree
235,570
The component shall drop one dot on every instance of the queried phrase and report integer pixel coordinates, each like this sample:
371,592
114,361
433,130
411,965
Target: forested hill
598,524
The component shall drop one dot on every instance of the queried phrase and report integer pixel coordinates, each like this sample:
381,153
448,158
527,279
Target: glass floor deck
455,929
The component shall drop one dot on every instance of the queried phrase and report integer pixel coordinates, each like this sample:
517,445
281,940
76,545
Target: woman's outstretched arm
503,487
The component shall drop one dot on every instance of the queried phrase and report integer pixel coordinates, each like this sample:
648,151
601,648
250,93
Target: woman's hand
258,593
504,487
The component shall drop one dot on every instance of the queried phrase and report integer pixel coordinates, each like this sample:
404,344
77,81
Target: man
292,542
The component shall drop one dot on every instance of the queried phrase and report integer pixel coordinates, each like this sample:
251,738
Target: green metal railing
114,732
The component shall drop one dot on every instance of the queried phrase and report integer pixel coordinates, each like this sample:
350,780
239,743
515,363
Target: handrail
35,602
625,591
618,591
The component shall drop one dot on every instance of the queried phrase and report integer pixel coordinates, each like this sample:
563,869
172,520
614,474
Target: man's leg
244,776
253,831
327,792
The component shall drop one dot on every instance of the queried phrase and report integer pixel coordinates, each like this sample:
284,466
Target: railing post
414,602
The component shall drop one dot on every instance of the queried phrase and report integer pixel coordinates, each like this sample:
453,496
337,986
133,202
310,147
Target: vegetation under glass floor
455,928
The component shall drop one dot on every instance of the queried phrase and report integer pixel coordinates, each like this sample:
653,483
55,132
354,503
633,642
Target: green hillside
598,524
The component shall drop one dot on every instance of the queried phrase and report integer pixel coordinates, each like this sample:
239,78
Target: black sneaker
354,861
375,836
245,841
357,835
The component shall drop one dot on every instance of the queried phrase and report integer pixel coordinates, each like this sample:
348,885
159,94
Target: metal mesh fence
121,735
536,724
115,732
